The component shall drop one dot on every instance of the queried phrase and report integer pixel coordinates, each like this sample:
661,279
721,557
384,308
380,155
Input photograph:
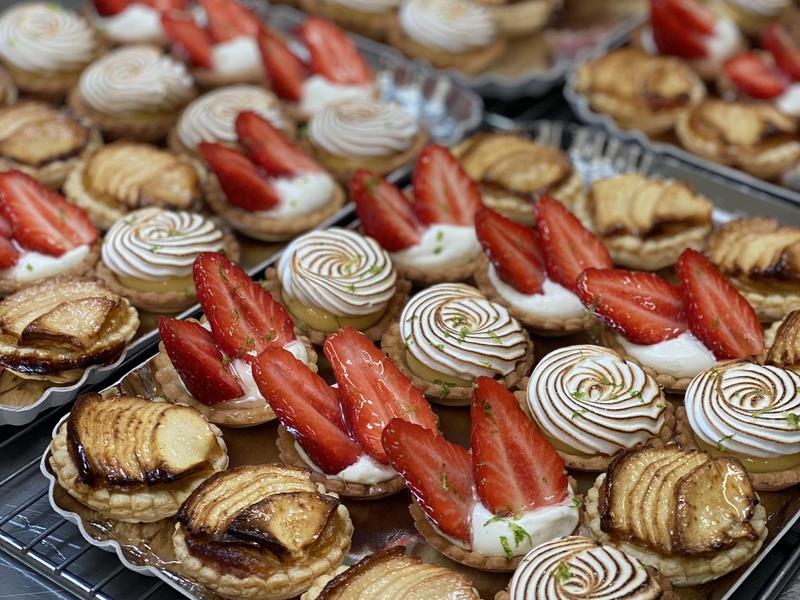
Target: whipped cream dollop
135,24
36,266
366,470
363,128
591,399
43,37
156,244
318,92
300,195
746,408
441,245
238,57
682,356
555,301
368,6
580,567
789,101
764,8
449,25
453,329
339,271
135,79
212,116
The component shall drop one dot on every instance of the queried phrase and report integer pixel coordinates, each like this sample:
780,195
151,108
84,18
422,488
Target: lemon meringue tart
134,459
261,532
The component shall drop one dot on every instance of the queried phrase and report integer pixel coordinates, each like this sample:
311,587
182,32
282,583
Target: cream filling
683,356
35,266
555,301
441,245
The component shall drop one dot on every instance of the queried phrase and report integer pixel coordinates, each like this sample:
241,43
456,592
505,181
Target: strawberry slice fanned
270,149
443,192
642,307
9,255
785,51
680,27
384,212
513,249
717,313
245,319
244,186
228,19
307,407
438,473
569,248
198,361
189,39
286,72
41,219
333,54
751,74
373,390
514,466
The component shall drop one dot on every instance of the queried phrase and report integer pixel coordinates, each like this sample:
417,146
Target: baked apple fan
55,329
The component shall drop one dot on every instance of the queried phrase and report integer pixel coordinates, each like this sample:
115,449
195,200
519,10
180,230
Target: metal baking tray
34,531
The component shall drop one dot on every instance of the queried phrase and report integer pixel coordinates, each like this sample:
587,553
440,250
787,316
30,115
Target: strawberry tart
123,22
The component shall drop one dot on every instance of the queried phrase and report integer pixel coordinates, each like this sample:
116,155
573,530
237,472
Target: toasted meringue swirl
212,116
135,79
363,128
42,36
591,399
156,244
753,409
455,330
450,25
340,271
580,567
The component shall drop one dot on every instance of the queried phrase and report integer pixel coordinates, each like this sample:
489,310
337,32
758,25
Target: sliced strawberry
438,473
693,14
783,48
9,255
286,72
269,147
189,38
753,76
373,390
443,192
198,361
166,6
333,54
385,213
515,468
41,219
5,228
108,8
245,320
673,35
642,307
228,19
717,313
569,248
307,407
513,249
239,178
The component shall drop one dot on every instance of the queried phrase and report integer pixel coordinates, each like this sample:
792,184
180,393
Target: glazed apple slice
443,192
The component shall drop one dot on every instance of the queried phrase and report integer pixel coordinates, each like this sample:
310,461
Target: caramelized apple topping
34,134
743,124
785,350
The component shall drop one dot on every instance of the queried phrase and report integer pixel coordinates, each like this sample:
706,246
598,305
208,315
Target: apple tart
133,459
264,532
691,516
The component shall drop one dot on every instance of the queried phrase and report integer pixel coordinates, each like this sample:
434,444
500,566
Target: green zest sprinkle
29,267
577,502
721,442
506,546
439,235
793,419
444,482
563,572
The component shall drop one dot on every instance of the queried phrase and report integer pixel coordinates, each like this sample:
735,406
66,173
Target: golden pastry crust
425,276
16,392
782,341
394,347
469,62
374,25
9,285
8,91
520,18
347,489
208,79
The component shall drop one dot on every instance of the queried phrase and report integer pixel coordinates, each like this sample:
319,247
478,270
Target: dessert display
210,365
276,190
134,459
336,277
44,47
592,403
123,22
336,431
43,141
261,531
147,256
431,235
507,496
534,272
133,92
372,18
689,515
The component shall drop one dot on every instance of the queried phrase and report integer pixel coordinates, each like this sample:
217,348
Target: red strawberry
783,48
373,390
333,53
438,473
642,307
5,228
196,358
239,178
189,38
228,19
307,407
513,249
569,248
754,77
9,255
680,27
443,192
166,6
514,466
286,71
245,320
108,8
717,313
41,219
385,213
269,147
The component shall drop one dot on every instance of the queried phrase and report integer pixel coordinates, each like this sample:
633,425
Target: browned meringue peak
33,134
785,350
741,124
636,205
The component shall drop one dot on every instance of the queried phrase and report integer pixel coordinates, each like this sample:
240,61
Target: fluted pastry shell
374,25
521,18
8,91
9,285
16,392
207,79
424,276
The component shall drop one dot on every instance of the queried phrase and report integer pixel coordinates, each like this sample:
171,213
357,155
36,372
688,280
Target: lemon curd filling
172,284
751,463
428,374
325,321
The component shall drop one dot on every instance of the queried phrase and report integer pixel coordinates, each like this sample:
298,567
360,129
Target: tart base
469,62
770,307
85,267
207,79
49,87
426,276
374,25
8,90
17,392
516,19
